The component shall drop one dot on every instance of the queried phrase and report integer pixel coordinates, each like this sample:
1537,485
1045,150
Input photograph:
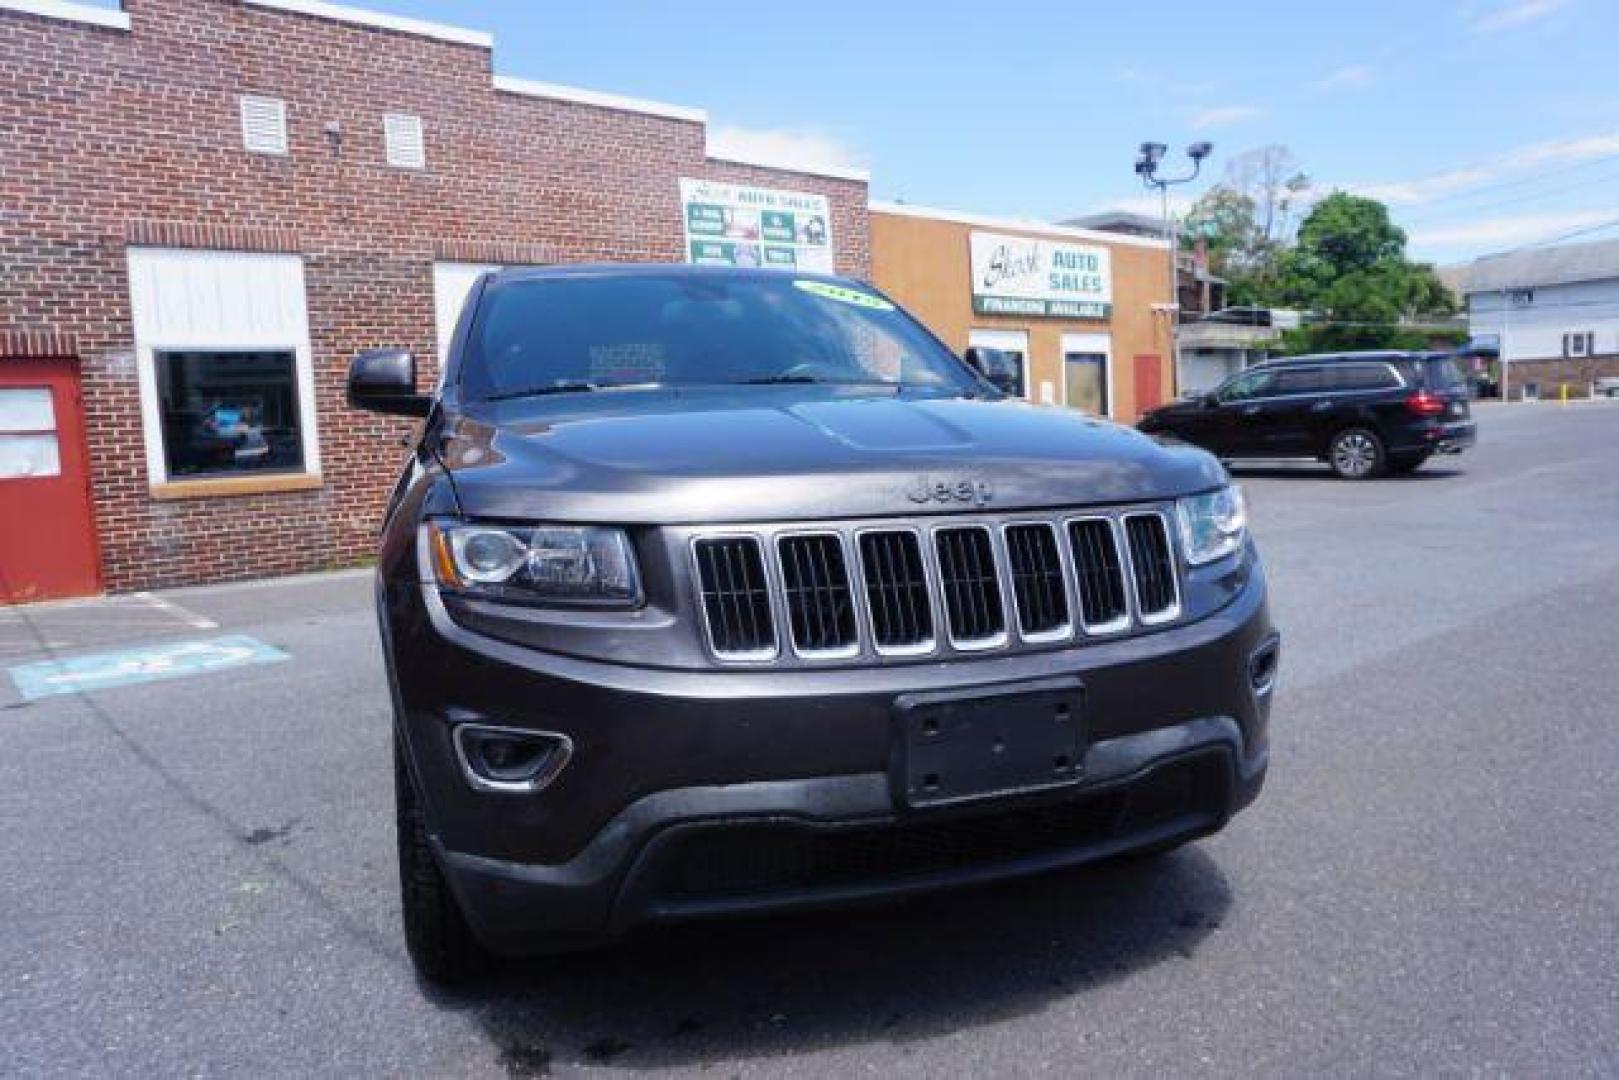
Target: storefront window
227,413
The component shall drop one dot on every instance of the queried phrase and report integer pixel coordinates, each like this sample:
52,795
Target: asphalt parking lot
199,874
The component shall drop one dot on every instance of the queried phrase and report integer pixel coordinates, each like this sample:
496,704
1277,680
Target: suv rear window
1363,377
1437,373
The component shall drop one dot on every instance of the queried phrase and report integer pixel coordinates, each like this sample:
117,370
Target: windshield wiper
811,380
570,386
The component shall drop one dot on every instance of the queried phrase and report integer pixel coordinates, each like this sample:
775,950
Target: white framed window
1580,344
224,364
404,142
1087,373
264,124
1016,343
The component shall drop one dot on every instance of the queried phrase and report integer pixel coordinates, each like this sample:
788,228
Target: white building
1553,313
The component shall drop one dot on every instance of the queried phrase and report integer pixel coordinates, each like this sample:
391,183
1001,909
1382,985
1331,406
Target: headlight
1212,525
569,564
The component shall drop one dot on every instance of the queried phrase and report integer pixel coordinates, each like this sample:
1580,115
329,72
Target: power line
1532,197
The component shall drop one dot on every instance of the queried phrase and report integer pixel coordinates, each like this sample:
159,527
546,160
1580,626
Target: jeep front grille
843,590
820,604
1157,597
736,598
897,593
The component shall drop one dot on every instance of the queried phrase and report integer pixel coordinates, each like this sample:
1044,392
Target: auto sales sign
1018,275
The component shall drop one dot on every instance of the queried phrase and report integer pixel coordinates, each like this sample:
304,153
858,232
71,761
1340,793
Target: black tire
1404,466
437,936
1356,454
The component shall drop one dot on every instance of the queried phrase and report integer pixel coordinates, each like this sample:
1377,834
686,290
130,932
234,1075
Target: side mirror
996,366
1210,399
384,381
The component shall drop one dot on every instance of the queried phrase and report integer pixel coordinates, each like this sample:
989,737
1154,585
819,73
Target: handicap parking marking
151,663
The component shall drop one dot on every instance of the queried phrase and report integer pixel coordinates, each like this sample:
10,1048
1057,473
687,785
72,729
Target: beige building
1085,311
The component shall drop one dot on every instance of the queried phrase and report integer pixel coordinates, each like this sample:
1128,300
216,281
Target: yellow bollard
1562,391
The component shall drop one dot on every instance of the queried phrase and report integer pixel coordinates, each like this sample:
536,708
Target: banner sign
1017,275
737,225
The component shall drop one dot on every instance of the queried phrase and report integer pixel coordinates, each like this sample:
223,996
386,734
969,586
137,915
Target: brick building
208,206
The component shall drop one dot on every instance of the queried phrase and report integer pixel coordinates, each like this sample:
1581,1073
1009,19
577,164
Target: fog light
1262,666
510,760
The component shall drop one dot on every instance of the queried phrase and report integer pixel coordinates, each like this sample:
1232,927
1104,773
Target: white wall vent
402,134
264,124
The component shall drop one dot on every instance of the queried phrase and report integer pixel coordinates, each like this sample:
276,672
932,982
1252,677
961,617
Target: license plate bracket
954,746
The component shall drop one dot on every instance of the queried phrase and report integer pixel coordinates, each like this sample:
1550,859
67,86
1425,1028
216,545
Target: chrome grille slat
820,603
1038,587
972,587
896,588
1152,562
735,597
1099,571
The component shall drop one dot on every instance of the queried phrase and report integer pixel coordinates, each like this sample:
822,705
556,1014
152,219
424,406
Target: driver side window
1251,385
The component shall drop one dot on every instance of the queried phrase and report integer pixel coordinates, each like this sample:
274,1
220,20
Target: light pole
1150,156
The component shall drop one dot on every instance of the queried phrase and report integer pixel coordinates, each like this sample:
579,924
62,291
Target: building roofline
759,161
599,98
377,20
1044,228
69,12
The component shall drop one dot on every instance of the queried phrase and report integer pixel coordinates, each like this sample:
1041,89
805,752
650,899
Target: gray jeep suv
708,591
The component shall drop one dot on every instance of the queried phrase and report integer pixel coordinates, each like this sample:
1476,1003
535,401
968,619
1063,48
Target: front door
48,543
1149,382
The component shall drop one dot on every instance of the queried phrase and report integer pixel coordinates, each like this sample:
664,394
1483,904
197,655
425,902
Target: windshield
543,335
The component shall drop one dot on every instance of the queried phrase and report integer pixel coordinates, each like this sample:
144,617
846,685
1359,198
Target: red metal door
1149,382
47,535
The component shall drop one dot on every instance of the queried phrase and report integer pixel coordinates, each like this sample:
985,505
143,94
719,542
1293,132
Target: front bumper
702,793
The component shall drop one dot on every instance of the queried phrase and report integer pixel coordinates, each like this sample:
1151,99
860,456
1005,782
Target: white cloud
1505,231
1423,188
791,147
1505,15
1348,77
1216,116
1435,187
1565,150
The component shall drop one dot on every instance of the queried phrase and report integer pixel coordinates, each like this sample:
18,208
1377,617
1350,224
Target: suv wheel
1355,454
437,936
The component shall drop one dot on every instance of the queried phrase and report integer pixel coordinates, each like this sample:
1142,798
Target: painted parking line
152,663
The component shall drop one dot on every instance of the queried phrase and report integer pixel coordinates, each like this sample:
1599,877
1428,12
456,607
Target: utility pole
1149,157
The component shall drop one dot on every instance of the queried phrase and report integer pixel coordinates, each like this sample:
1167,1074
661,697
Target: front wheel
1356,454
437,936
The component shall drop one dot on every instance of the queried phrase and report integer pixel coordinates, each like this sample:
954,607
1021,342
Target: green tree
1247,220
1349,268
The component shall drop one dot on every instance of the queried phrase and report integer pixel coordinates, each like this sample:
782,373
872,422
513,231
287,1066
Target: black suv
1364,414
709,591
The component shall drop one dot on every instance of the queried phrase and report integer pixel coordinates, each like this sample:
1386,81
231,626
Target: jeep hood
687,456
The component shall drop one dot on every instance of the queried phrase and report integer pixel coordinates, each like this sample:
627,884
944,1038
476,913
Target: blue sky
1484,123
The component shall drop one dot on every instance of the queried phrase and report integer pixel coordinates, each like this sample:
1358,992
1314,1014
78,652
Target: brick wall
115,137
1551,374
